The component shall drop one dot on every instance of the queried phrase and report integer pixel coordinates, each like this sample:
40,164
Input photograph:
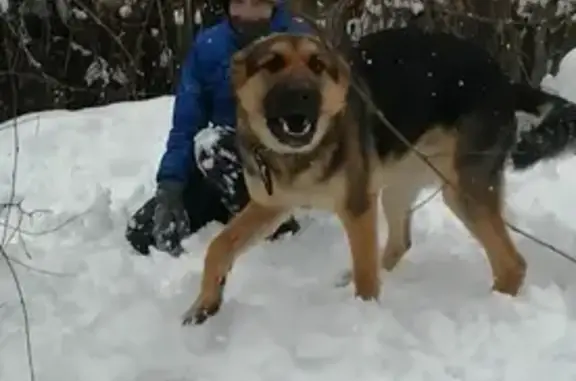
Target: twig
111,33
3,253
54,229
41,271
444,9
24,307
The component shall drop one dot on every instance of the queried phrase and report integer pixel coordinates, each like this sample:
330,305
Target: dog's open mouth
294,129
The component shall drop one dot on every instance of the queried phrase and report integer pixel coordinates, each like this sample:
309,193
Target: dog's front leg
362,233
252,223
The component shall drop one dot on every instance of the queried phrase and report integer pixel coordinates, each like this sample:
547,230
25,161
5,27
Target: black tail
553,136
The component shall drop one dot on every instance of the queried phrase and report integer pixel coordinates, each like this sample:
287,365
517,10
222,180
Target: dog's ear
243,63
337,67
342,68
238,69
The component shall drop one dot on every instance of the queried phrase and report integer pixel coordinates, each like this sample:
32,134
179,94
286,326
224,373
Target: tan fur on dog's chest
304,191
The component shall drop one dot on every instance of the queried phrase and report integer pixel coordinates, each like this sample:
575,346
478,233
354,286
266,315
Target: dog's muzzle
292,112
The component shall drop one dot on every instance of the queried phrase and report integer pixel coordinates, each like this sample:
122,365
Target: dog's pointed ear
238,70
343,68
243,65
339,69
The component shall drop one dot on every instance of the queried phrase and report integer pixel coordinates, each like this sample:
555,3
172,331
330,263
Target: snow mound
99,313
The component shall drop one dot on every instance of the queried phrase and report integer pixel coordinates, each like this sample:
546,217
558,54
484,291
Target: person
200,178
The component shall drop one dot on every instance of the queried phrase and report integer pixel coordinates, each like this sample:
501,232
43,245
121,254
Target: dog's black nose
284,99
302,95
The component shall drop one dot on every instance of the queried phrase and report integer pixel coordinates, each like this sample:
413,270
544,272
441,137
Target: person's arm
187,118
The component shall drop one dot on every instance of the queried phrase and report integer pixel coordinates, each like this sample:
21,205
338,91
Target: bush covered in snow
79,53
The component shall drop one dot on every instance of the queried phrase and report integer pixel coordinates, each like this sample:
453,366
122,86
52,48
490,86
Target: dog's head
289,87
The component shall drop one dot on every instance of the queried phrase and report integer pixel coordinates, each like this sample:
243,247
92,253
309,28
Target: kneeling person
199,182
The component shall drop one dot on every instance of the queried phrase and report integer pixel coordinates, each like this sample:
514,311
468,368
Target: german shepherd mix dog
307,139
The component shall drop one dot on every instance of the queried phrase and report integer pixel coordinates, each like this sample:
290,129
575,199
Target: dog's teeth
307,126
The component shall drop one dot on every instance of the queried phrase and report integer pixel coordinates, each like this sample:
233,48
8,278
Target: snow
104,314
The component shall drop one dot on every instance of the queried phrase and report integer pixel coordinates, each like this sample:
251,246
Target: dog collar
263,169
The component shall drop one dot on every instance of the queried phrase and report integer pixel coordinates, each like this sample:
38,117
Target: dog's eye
274,64
316,65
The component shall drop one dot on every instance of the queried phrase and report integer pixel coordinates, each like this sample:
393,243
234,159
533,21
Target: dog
308,139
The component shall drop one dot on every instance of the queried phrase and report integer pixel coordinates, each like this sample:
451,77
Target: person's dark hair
225,5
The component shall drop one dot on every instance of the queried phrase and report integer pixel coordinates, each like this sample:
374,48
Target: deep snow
109,315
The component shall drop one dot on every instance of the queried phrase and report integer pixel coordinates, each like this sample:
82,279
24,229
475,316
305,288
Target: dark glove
171,222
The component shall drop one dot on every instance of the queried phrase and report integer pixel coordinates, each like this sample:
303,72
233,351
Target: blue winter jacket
204,91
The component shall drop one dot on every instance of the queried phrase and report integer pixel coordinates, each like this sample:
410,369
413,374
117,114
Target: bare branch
3,241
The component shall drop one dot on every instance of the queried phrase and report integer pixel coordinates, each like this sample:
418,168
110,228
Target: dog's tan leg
396,203
483,217
253,222
361,231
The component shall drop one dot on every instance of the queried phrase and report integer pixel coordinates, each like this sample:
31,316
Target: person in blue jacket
199,178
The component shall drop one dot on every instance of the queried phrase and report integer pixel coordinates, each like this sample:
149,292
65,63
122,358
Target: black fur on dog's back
421,79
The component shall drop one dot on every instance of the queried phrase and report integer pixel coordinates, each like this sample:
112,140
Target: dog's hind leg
252,223
475,197
362,233
483,219
476,189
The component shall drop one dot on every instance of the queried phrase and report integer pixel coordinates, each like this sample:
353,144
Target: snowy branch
528,38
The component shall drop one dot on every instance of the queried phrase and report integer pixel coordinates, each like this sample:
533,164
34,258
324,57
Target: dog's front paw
205,306
200,311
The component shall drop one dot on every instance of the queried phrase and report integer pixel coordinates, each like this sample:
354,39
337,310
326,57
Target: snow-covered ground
100,313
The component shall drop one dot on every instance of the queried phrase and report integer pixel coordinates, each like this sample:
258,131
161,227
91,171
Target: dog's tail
554,135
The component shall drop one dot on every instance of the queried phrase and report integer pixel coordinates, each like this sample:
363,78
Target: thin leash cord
423,157
425,201
367,99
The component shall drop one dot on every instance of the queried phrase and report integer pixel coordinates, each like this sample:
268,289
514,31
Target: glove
171,222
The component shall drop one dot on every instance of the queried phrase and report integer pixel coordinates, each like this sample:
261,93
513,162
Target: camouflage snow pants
217,194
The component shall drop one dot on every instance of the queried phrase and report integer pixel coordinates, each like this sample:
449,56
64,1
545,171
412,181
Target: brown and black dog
307,139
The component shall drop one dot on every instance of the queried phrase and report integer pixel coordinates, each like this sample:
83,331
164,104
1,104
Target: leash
263,169
380,115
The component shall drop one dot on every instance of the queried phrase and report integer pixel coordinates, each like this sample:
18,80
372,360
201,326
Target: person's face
251,19
251,10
